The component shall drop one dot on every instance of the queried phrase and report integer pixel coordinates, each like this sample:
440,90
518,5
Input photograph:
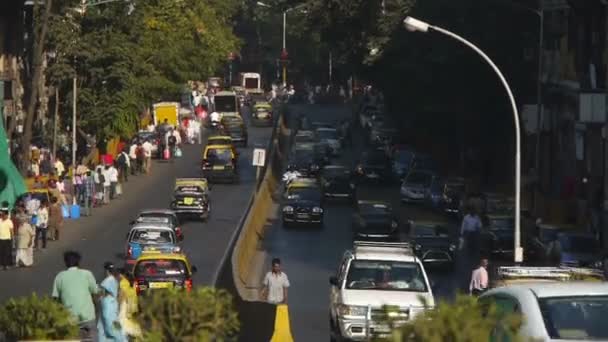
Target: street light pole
284,47
416,25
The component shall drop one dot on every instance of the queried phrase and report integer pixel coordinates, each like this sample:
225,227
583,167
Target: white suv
376,282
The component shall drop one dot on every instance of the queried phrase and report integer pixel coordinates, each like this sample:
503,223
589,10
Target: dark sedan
337,182
307,159
497,236
237,130
303,203
433,243
375,221
374,166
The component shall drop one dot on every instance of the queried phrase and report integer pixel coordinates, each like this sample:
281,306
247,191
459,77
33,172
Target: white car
416,185
555,310
371,277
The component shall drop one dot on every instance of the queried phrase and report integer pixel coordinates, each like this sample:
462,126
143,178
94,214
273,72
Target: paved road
310,256
102,237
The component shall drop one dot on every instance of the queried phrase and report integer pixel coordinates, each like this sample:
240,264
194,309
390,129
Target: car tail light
188,285
129,251
178,231
138,285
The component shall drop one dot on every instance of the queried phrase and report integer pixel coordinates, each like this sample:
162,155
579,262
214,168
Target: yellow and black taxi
219,164
156,270
234,127
191,198
261,114
221,139
303,203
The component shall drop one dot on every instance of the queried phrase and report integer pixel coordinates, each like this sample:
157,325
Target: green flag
11,182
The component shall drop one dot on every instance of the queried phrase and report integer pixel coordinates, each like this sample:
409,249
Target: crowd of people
104,311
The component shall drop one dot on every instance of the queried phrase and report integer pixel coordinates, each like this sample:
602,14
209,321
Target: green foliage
36,318
205,314
125,61
464,320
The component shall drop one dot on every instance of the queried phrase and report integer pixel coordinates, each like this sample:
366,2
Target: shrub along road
101,237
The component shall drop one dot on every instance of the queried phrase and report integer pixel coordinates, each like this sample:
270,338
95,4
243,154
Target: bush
36,318
205,314
464,320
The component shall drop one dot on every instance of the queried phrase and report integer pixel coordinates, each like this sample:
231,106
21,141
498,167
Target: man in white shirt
59,167
275,284
479,279
113,173
147,146
106,184
133,157
151,127
214,117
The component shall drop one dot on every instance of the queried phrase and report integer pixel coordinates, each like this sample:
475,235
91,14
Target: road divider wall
255,221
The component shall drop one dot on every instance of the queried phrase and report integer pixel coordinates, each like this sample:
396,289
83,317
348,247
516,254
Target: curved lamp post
415,25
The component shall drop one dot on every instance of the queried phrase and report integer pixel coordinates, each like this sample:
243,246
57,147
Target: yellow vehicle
163,270
31,182
219,163
222,140
166,110
191,185
41,194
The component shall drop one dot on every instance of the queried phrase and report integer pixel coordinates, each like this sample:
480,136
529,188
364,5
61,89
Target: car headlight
288,209
394,224
352,186
598,264
317,210
314,167
452,247
351,310
418,247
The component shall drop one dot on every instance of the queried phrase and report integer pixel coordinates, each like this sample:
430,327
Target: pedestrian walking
78,187
479,279
59,167
113,174
128,305
89,193
108,326
55,219
42,224
141,156
75,288
122,162
133,157
99,182
470,231
6,238
107,183
275,284
24,256
147,156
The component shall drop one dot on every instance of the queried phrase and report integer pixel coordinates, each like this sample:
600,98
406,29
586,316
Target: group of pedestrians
115,299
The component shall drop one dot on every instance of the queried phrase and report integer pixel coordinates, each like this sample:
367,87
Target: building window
8,90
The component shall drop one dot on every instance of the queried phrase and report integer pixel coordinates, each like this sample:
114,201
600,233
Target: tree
464,320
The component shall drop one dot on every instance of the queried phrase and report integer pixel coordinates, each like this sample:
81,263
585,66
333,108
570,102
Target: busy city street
101,237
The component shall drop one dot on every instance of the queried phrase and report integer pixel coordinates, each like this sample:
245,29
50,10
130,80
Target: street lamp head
259,3
415,25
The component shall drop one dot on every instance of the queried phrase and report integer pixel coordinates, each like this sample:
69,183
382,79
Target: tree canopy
125,58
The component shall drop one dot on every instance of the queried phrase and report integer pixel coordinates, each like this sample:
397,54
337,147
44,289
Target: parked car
337,182
375,221
415,185
434,243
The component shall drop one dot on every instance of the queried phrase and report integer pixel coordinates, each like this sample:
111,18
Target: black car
192,204
236,129
433,243
337,182
497,236
307,159
375,221
373,166
303,203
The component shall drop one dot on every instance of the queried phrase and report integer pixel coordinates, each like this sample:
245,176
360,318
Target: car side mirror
333,280
194,269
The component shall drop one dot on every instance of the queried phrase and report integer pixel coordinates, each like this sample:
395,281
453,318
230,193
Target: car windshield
327,134
385,275
219,155
419,178
503,223
160,268
303,138
579,244
374,208
424,231
152,236
308,194
332,172
154,218
403,157
304,155
225,103
219,141
578,318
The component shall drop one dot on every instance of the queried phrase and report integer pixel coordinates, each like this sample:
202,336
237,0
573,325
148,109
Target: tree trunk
40,36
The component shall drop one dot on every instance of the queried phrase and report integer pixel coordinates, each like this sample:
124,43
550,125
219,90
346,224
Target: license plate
303,215
160,285
188,200
218,167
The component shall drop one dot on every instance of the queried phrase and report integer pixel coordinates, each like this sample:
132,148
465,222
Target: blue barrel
75,211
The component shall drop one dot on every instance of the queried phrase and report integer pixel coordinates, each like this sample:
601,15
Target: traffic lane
101,237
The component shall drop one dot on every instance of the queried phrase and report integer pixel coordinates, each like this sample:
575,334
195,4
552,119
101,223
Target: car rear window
160,267
152,236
